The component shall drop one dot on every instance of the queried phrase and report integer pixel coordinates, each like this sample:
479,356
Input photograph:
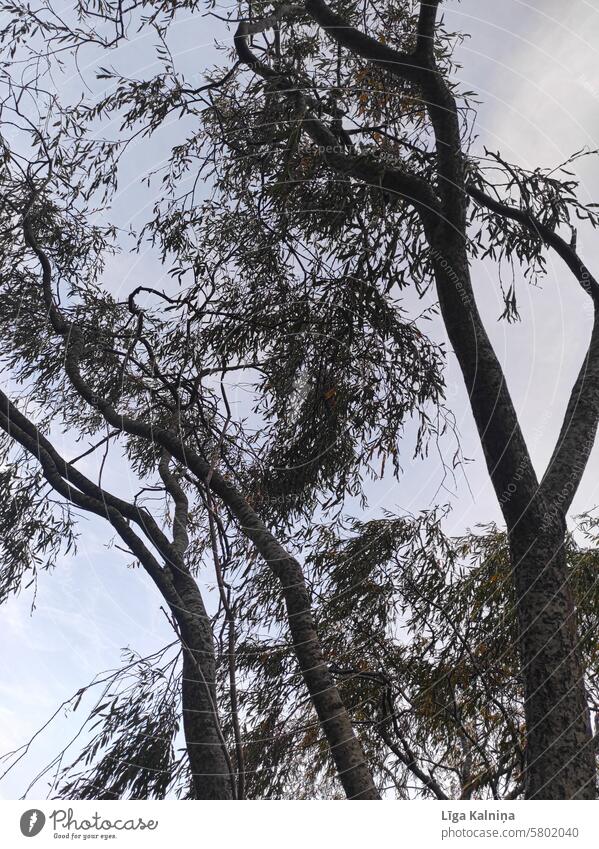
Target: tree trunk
346,749
206,749
560,760
560,763
211,777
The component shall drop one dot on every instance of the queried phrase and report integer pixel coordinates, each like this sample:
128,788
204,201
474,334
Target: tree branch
579,428
578,432
364,168
345,747
181,517
101,507
408,66
425,37
419,67
204,736
567,252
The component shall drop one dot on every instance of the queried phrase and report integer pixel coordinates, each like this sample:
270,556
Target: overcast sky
535,66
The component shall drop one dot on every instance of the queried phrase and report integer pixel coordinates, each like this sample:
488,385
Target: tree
426,656
341,174
560,760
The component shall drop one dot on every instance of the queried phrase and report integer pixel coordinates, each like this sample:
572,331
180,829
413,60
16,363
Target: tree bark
559,749
560,762
209,761
346,748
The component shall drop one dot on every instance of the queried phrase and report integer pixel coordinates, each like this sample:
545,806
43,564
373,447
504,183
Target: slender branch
231,653
408,66
346,749
408,759
578,432
579,428
567,252
181,517
393,180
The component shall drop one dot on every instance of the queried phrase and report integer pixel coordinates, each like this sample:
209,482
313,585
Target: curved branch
419,67
408,66
206,746
346,749
72,476
581,419
362,167
181,517
567,252
51,472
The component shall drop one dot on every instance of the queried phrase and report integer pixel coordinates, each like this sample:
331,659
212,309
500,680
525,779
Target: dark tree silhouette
336,146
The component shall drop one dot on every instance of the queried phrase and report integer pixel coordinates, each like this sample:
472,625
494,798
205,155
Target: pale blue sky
535,67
